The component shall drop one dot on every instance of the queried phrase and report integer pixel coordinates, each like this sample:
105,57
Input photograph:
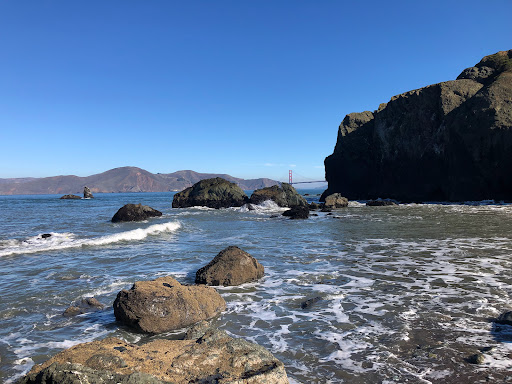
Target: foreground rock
212,193
135,212
298,212
284,196
446,142
214,357
232,266
334,201
164,305
88,193
70,197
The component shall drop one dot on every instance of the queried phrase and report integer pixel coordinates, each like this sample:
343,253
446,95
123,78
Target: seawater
408,293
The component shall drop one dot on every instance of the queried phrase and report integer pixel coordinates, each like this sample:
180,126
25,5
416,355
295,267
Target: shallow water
408,293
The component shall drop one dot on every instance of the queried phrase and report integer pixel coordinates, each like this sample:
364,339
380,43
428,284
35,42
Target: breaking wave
58,241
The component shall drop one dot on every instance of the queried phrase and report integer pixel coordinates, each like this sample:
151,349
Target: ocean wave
265,207
58,241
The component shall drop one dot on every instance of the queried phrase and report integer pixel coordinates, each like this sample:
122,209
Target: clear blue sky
249,88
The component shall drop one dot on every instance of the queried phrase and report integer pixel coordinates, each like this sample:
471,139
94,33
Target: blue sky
249,88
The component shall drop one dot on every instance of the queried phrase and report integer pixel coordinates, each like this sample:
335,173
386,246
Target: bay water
403,294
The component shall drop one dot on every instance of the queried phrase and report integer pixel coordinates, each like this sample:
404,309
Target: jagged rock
164,304
284,196
46,235
450,141
87,304
70,197
380,203
210,357
213,193
87,193
135,212
334,201
297,212
505,318
232,266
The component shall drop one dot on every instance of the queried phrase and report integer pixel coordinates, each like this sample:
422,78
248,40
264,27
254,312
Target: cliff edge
450,141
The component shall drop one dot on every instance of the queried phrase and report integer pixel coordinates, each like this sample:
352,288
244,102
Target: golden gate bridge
290,180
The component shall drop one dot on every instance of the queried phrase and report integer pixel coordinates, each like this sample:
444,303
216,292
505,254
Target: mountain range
123,179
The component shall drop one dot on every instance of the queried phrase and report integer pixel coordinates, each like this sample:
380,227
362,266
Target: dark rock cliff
450,141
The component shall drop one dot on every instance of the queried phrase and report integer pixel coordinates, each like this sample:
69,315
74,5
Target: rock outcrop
450,141
135,212
213,193
70,197
335,201
232,266
214,357
284,196
87,193
164,305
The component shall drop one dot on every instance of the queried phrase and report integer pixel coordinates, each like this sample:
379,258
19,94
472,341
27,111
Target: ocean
405,294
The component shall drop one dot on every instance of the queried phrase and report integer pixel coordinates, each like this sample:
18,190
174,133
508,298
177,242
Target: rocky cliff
450,141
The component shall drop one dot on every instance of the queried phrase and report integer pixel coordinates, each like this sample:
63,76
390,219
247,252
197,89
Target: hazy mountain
124,179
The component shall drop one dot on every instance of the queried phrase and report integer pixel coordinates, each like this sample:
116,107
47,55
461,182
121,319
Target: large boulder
70,197
87,193
213,193
135,212
284,196
213,357
450,141
334,201
164,305
232,266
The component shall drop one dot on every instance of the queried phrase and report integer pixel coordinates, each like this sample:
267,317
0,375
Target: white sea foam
58,241
265,207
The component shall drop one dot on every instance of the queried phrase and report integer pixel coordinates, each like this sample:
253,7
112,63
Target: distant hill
124,179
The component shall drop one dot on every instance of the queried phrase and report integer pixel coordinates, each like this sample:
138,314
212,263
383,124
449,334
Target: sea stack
450,141
87,193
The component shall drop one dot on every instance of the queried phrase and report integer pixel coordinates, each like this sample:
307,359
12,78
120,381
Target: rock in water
70,197
380,203
164,305
232,266
135,212
297,212
213,193
89,304
284,196
450,141
335,201
505,318
214,357
87,193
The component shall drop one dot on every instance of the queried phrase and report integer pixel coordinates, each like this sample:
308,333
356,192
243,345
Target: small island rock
284,196
135,212
232,266
70,197
212,193
164,305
